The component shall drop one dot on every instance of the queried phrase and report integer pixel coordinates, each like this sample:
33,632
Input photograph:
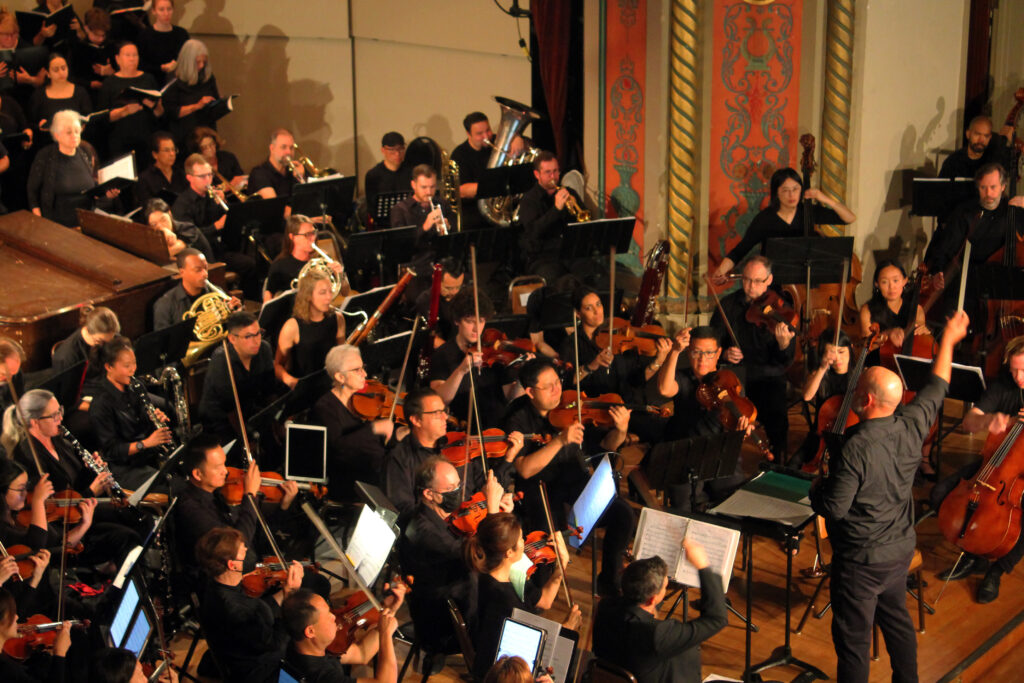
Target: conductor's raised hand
956,327
695,553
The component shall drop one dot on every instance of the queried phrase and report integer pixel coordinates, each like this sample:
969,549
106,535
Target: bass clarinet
93,464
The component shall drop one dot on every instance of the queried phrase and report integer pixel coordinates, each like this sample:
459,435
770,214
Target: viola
594,411
626,337
538,547
354,614
770,309
467,518
374,401
38,632
269,575
495,445
720,392
233,490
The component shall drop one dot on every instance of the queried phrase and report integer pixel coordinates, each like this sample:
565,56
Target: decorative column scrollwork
835,123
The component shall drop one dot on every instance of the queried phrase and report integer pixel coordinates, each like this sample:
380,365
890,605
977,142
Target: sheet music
370,544
719,543
715,677
747,504
119,168
660,533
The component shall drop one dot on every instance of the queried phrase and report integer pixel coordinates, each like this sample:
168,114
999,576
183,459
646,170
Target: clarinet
164,449
115,489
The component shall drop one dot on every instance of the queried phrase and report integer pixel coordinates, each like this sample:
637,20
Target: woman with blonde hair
314,328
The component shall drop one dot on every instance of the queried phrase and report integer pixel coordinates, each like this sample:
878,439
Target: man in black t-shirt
983,147
472,157
543,215
273,178
390,175
173,304
420,209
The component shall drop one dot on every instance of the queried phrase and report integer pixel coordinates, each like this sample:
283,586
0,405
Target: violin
467,518
770,309
374,401
495,445
538,547
720,392
36,633
626,337
594,411
269,575
233,490
355,613
60,504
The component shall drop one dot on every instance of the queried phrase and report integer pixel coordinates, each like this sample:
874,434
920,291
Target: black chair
602,671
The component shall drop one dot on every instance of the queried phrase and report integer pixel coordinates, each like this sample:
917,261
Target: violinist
986,222
492,552
889,307
513,669
832,375
126,435
355,447
764,353
314,329
427,417
246,634
627,630
560,463
784,217
868,506
252,362
997,408
430,549
12,671
120,665
457,357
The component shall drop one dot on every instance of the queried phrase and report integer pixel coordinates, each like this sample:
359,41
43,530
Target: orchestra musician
274,178
784,217
547,303
132,120
513,669
194,87
208,142
355,447
99,325
491,552
172,306
764,353
982,147
312,627
456,358
62,172
627,630
314,329
252,363
453,277
544,216
390,175
120,665
830,378
161,41
867,502
889,306
125,433
472,156
430,548
11,358
13,671
418,209
296,251
246,634
164,175
560,463
179,235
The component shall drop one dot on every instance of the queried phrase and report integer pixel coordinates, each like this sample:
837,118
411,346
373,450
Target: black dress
131,133
181,95
160,47
354,452
315,340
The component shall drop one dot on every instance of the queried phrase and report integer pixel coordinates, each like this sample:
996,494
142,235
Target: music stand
385,355
966,383
383,204
503,181
274,314
582,240
300,399
66,385
250,219
492,244
381,251
694,460
514,326
938,196
154,350
378,502
328,197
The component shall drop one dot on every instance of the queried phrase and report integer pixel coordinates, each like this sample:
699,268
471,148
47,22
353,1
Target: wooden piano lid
48,268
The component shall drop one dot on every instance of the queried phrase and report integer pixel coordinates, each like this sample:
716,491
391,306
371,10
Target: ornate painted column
835,123
684,139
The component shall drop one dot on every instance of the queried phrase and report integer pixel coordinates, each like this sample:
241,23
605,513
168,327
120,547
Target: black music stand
251,220
503,181
383,204
380,252
154,350
694,460
492,244
514,326
66,385
274,314
938,196
384,356
789,533
583,240
299,400
329,197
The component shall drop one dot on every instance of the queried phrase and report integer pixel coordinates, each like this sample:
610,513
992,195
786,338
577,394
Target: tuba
514,119
322,264
210,311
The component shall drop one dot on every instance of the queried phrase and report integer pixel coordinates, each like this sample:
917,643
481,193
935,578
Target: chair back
462,634
602,671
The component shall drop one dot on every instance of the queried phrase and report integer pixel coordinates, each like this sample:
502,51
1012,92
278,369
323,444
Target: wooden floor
953,648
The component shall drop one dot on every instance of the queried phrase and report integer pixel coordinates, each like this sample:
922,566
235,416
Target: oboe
140,390
90,461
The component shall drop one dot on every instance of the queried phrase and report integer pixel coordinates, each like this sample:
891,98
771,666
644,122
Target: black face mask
451,501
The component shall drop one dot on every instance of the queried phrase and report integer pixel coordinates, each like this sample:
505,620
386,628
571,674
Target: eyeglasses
18,490
702,354
441,412
251,336
311,234
361,368
754,280
54,415
201,175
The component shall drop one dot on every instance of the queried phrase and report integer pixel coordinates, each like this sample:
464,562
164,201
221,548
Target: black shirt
228,166
411,212
70,352
42,106
198,511
171,306
152,182
832,384
400,467
257,387
689,418
13,671
382,180
354,452
659,650
1002,396
959,165
625,376
883,315
283,271
867,500
761,354
495,601
245,633
201,211
119,420
180,95
313,669
988,234
56,183
768,224
489,384
132,131
315,340
66,470
157,48
472,163
265,175
543,224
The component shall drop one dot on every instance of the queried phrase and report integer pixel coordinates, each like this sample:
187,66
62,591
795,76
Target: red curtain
551,21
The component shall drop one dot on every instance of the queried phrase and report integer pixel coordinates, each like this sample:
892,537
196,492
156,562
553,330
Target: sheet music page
551,630
370,544
660,533
561,658
715,677
747,504
719,543
119,168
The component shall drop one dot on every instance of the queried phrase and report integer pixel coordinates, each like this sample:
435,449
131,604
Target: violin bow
29,437
551,530
842,298
721,311
266,530
238,403
3,554
963,275
579,370
405,364
611,303
686,287
473,407
469,426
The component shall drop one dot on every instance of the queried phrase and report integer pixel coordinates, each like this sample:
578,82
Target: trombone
241,196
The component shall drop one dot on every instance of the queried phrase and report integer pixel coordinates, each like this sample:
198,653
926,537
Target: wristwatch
140,446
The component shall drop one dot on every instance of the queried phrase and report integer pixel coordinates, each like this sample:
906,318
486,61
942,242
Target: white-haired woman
62,172
195,88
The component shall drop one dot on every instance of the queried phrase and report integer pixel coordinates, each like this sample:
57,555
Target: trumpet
442,226
578,212
289,163
239,195
212,194
312,171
